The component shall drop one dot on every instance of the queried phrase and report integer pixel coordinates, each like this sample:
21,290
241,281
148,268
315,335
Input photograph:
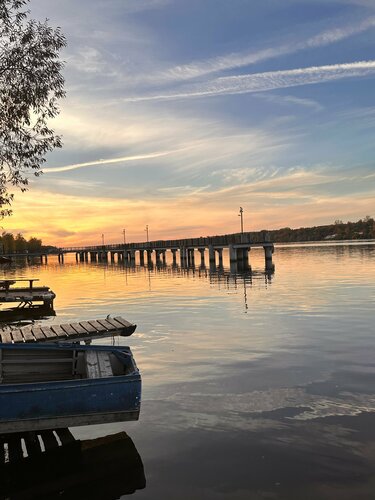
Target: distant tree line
18,244
339,230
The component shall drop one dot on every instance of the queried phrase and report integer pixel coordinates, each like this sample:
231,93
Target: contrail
241,59
261,82
149,156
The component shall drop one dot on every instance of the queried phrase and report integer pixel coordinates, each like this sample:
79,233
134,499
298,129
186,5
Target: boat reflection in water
53,464
24,316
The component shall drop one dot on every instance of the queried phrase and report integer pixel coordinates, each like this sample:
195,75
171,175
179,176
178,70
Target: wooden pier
67,332
25,296
238,245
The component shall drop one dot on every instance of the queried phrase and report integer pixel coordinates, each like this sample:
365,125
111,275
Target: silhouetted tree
30,86
8,244
20,243
34,245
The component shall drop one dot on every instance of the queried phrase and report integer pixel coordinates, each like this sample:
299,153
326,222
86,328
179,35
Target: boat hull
42,405
40,424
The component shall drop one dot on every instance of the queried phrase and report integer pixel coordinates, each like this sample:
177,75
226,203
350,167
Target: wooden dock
80,331
25,296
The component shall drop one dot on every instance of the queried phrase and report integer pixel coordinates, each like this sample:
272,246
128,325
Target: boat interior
22,366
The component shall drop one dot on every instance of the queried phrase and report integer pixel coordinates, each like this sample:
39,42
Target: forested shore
18,244
339,230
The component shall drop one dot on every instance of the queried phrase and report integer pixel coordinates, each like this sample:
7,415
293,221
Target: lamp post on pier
103,239
124,233
147,232
241,215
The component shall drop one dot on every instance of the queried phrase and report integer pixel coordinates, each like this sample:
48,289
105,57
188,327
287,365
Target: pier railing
222,240
238,244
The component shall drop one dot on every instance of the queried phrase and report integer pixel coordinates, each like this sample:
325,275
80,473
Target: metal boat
53,385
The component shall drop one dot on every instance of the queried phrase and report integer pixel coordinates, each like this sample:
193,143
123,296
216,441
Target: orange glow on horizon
64,220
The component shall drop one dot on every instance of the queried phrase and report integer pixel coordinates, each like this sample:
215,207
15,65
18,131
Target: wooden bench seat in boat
98,364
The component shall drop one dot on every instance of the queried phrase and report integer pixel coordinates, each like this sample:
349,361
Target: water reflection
277,403
53,464
214,274
228,278
23,316
231,278
234,267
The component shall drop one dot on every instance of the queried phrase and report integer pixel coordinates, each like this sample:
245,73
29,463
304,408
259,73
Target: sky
179,112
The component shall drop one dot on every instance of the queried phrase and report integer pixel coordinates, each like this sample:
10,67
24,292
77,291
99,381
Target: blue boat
55,385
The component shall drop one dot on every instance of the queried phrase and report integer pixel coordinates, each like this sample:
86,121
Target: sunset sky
178,112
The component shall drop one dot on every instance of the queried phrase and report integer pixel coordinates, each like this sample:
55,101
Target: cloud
337,34
62,233
183,190
241,59
89,60
302,195
103,162
289,99
133,6
171,148
142,66
261,82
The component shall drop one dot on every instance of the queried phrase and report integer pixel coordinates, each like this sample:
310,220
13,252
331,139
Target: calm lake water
255,386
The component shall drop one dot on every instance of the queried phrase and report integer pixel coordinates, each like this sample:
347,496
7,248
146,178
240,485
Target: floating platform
68,332
25,296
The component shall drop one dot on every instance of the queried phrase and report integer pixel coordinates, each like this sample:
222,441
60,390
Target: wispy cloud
143,69
337,34
101,162
301,195
241,59
290,99
260,82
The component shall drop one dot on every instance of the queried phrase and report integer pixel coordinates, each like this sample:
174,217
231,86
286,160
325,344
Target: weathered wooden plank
36,361
78,328
48,332
29,295
27,290
89,328
105,366
98,364
27,334
17,336
92,364
116,324
68,330
65,331
59,331
38,333
106,324
5,337
123,321
99,328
